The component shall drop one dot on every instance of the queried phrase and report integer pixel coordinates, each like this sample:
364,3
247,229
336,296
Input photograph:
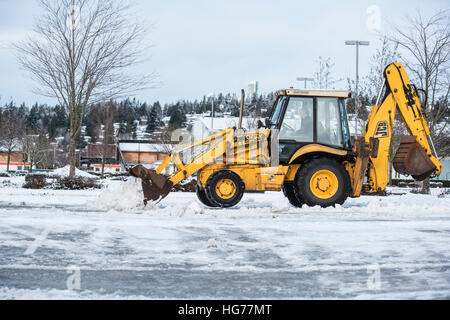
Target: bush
75,183
4,175
416,184
35,181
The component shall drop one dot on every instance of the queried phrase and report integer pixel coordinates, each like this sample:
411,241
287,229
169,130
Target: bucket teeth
155,186
411,159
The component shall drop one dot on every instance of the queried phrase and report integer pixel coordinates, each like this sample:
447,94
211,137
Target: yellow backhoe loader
305,150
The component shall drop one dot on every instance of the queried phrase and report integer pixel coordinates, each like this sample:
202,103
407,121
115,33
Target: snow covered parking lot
74,244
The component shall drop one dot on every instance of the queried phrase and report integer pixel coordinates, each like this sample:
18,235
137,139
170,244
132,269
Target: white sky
201,46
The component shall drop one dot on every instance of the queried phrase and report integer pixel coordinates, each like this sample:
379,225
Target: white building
252,90
109,168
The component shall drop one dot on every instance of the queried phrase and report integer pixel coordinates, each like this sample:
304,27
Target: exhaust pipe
241,109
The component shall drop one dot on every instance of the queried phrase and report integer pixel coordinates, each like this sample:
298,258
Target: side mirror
259,124
268,123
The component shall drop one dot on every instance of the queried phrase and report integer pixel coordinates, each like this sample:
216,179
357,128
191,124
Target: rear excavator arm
415,155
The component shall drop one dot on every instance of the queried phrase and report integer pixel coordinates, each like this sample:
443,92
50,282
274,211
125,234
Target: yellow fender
313,148
309,149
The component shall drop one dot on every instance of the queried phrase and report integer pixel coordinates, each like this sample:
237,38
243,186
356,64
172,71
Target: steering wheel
286,130
288,126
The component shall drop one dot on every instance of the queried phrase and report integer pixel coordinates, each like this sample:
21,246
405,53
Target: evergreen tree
177,116
52,128
32,118
158,108
142,111
122,128
79,141
134,129
152,120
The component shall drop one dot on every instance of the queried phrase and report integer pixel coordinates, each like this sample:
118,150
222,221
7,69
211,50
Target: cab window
328,122
277,111
298,120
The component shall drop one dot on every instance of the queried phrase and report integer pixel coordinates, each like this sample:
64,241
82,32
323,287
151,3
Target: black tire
291,193
215,198
306,172
201,195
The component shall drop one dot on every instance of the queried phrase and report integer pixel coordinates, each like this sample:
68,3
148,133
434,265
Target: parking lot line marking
37,242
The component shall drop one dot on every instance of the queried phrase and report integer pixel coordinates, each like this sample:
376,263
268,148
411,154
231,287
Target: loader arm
415,155
216,149
155,186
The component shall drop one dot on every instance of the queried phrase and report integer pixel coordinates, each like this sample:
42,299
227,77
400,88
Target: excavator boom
415,155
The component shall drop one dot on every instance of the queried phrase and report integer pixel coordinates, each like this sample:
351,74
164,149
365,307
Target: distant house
134,152
92,158
16,162
96,151
109,168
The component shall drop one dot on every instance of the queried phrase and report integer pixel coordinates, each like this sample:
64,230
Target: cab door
297,127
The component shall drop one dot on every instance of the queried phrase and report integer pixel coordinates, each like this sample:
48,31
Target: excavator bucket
411,159
155,186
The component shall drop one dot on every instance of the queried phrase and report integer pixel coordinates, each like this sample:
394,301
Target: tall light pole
305,79
54,144
357,44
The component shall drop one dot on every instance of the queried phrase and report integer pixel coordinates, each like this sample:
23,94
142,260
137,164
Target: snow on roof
143,147
15,149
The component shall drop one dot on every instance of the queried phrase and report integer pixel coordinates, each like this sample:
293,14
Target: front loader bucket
411,159
155,186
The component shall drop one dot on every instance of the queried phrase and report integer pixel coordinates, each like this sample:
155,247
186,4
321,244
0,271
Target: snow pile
280,206
193,208
64,172
124,196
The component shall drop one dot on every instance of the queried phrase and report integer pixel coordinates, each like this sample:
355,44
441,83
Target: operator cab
310,116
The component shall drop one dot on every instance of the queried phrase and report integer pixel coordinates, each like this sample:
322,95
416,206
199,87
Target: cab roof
314,93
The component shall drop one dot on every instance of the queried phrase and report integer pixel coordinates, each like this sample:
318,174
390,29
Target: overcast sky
201,46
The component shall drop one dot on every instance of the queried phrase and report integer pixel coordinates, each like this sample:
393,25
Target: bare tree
80,54
384,55
425,51
323,78
108,132
36,149
11,131
425,43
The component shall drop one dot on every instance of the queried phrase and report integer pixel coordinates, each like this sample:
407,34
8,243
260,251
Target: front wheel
323,182
291,193
201,195
224,188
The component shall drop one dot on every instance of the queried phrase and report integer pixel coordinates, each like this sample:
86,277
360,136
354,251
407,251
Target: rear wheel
323,182
291,193
201,195
224,188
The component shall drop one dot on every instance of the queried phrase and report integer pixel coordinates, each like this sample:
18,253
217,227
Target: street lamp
54,144
357,44
305,79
